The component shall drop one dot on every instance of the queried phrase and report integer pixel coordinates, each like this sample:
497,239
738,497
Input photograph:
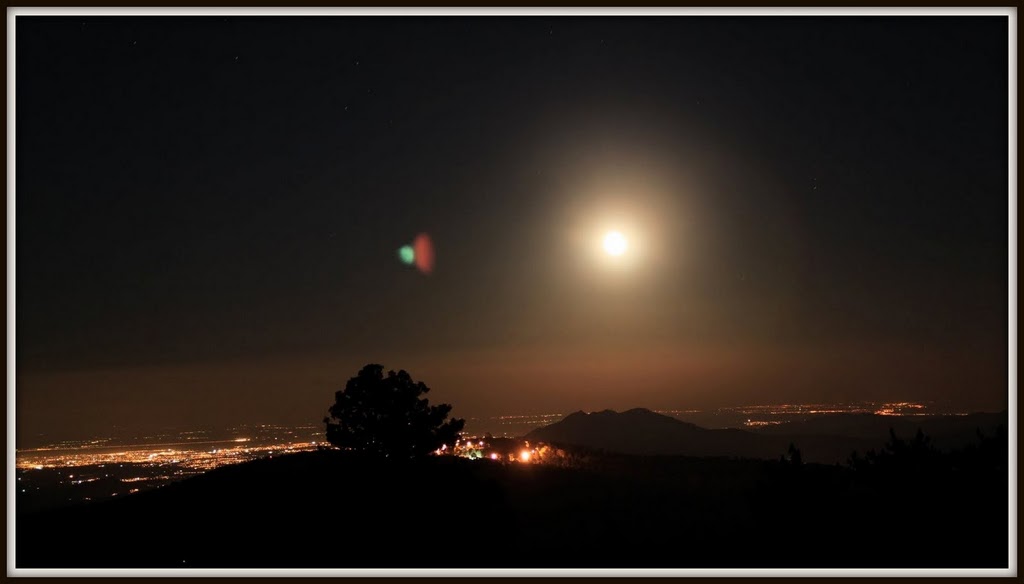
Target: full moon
614,243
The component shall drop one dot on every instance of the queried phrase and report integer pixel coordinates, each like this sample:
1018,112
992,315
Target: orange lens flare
423,251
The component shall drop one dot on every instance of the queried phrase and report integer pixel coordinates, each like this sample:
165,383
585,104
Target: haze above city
220,220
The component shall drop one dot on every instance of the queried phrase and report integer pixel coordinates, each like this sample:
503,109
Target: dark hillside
330,509
641,431
310,509
827,440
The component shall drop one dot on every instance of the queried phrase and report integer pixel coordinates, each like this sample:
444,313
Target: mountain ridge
827,439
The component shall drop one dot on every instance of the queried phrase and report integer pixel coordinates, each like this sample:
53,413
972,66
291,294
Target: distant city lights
150,461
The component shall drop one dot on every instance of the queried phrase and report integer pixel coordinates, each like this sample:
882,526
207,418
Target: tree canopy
385,415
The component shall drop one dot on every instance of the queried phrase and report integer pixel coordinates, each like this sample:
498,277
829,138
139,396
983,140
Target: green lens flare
406,255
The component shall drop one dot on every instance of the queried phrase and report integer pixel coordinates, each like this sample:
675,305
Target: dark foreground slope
330,509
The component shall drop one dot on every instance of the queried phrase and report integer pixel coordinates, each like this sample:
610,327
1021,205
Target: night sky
209,212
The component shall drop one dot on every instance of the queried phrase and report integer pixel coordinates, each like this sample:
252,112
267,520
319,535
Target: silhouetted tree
989,453
386,416
795,458
898,454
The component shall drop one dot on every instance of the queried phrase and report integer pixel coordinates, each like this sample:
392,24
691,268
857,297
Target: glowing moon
614,243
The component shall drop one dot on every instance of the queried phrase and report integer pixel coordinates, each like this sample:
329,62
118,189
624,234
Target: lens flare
406,254
420,254
423,252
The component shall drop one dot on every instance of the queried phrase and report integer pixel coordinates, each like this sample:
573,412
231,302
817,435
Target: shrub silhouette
793,456
901,455
385,416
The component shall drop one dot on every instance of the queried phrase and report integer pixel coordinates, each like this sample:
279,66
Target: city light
191,459
150,461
